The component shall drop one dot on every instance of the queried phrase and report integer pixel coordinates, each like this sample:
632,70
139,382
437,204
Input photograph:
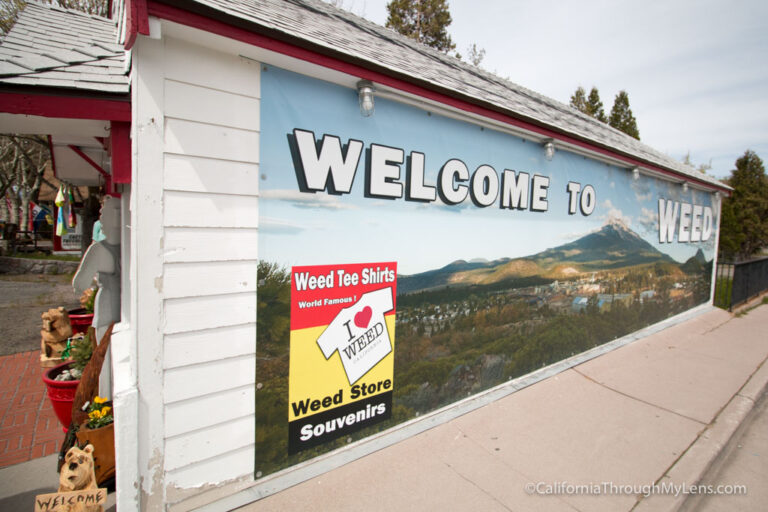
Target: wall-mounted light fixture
636,173
549,149
685,187
365,92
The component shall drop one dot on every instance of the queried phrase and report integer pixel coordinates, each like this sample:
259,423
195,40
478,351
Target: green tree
590,105
744,223
579,100
426,21
621,116
595,106
274,309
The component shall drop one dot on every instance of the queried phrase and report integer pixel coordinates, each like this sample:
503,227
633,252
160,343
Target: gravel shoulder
23,299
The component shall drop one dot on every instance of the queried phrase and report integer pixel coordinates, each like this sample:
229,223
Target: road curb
693,503
710,448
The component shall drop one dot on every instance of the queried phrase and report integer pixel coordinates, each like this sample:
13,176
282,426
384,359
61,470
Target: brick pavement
29,428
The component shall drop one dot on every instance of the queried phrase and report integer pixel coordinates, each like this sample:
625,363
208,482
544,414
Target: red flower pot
80,320
61,393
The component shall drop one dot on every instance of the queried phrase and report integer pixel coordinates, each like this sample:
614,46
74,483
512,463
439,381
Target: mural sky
351,228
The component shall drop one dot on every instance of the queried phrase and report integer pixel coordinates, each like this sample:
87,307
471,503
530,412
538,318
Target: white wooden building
186,77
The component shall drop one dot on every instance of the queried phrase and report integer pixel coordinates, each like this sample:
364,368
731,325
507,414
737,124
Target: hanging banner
341,352
71,237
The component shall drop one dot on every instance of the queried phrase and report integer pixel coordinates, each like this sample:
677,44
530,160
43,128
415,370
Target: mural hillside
613,247
471,325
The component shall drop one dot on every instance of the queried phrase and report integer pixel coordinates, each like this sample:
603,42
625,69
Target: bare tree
22,164
701,167
97,7
475,55
10,9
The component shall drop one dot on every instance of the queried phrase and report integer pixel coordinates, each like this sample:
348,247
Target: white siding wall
208,286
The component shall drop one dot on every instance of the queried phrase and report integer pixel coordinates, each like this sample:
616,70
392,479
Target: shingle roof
337,31
49,46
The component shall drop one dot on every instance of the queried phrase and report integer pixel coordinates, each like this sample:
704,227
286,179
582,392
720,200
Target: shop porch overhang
63,74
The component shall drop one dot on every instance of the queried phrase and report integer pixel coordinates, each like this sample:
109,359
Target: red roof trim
190,19
143,16
136,21
65,106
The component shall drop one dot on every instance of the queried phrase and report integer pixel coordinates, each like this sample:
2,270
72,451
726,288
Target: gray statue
102,259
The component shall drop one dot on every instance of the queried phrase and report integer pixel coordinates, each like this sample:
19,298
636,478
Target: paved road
23,298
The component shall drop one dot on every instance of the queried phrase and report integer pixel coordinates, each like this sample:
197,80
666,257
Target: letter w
300,407
667,220
317,165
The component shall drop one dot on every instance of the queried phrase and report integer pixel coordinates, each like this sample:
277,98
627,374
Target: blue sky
694,70
299,228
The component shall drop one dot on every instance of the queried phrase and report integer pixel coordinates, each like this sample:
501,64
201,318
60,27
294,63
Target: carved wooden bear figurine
77,475
56,330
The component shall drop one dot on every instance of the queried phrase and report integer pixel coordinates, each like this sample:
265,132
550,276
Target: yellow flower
94,415
105,411
98,400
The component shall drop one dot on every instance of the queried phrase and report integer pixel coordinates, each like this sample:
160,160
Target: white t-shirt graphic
360,334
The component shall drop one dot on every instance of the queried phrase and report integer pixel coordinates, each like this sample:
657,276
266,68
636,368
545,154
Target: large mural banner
408,260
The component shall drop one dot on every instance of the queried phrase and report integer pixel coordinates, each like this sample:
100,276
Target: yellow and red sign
342,350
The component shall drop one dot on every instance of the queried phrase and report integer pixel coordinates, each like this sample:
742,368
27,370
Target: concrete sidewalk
655,412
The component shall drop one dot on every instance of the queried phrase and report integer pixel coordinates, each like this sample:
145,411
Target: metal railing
738,282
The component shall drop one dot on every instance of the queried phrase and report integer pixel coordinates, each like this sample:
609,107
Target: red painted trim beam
65,106
194,20
120,135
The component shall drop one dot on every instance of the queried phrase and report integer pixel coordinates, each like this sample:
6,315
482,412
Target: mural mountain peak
611,247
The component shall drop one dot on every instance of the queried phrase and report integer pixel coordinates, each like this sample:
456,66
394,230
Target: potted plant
61,381
82,317
99,431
